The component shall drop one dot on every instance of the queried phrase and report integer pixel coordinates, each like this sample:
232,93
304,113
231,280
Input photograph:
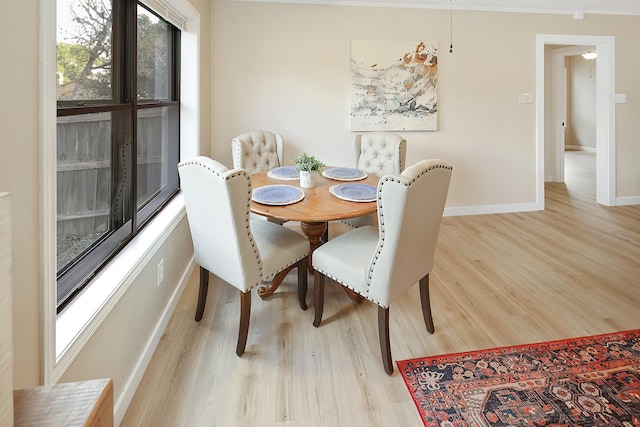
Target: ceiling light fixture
590,55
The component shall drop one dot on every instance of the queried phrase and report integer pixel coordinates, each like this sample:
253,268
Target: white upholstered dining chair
257,151
382,263
377,153
227,243
380,153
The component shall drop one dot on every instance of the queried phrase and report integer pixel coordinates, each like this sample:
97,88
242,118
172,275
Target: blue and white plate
284,172
277,195
344,174
354,192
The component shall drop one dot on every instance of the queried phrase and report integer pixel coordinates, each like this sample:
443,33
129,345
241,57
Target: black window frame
123,108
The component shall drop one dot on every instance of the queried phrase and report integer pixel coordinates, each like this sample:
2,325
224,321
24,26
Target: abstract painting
393,85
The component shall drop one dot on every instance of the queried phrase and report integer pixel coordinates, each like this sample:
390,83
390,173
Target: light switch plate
525,98
621,98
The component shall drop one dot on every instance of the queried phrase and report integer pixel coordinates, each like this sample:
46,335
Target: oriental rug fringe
588,381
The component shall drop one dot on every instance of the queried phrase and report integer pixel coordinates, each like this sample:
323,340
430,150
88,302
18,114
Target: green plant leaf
306,162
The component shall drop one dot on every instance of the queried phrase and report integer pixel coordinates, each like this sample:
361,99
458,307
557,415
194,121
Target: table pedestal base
313,231
267,291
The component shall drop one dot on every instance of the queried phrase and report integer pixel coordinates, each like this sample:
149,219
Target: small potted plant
308,166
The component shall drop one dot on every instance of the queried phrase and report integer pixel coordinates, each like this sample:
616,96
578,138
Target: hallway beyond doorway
580,174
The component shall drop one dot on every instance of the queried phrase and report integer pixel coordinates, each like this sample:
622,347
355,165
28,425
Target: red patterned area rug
589,381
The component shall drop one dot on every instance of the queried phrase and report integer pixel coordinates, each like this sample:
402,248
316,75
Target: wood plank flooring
568,271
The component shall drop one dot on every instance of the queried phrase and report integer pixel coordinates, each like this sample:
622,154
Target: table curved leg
313,231
267,291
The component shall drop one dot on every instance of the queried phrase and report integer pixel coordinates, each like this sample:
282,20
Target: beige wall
19,173
285,67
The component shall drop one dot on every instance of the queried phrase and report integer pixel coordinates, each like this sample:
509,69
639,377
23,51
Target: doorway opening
573,71
550,159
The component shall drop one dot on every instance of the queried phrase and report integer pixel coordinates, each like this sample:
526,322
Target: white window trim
65,335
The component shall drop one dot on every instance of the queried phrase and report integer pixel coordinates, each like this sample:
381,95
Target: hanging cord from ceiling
451,25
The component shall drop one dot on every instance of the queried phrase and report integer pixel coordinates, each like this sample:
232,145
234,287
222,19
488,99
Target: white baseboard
491,209
580,148
122,402
625,201
521,207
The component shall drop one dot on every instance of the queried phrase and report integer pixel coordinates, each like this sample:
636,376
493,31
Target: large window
117,130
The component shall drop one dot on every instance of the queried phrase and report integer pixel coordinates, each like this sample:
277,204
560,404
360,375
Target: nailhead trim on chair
386,149
247,220
238,160
381,213
248,228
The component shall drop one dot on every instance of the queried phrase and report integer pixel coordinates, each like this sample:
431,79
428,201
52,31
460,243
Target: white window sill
80,319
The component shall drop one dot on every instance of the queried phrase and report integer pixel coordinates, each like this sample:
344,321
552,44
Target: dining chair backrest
257,151
410,209
218,201
377,153
380,153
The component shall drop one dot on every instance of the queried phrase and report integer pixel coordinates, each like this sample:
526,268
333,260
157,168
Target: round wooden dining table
313,212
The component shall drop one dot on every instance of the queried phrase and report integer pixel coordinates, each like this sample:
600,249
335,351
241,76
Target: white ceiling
571,7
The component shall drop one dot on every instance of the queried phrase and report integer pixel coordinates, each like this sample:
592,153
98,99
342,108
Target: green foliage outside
84,55
152,58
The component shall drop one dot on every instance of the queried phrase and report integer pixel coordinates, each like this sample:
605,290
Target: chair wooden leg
426,303
318,297
385,344
245,315
202,295
302,283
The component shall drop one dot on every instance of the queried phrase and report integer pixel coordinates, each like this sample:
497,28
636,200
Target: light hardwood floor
499,280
